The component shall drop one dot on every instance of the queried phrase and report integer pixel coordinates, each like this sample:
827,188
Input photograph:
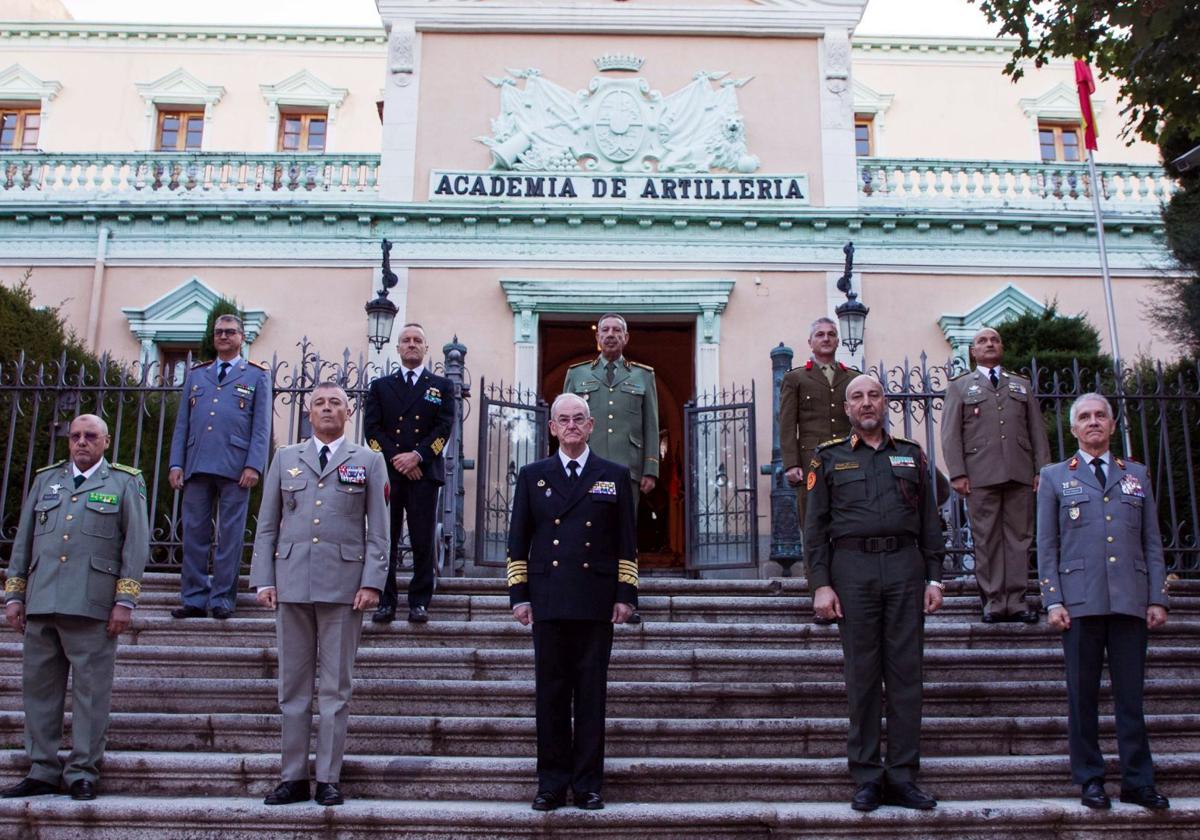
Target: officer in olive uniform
623,400
1103,580
875,552
994,443
573,573
812,405
408,417
74,578
320,558
219,451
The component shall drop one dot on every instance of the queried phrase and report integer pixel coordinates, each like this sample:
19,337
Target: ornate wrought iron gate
722,480
512,433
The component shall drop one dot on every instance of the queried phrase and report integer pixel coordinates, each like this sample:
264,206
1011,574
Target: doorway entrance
668,346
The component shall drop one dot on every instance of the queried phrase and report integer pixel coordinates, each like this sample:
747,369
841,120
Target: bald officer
320,559
1100,562
994,443
75,575
218,452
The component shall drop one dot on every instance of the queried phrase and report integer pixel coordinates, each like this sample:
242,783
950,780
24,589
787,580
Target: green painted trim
181,315
690,296
1009,302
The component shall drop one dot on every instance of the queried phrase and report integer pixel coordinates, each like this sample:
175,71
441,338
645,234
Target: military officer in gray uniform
73,580
1100,562
994,443
623,399
320,560
219,451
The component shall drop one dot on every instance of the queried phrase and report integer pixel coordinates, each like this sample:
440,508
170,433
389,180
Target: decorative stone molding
19,85
838,163
154,35
874,104
1058,104
1010,302
402,53
179,87
300,90
181,316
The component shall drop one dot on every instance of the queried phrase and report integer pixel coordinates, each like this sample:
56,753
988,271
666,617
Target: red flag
1087,86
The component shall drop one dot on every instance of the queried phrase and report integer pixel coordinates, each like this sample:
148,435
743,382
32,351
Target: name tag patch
352,474
604,488
1130,486
103,498
903,461
845,465
1072,491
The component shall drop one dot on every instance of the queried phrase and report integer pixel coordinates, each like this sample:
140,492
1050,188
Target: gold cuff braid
15,586
627,572
129,586
518,572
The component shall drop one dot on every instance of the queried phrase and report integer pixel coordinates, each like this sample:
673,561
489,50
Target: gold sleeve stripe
130,587
15,586
518,572
630,579
627,572
437,445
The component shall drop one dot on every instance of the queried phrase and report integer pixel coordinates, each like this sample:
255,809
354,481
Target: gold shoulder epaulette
906,440
199,365
578,364
125,469
258,365
53,466
642,366
832,441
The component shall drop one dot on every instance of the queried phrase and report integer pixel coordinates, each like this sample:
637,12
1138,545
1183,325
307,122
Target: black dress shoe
823,622
867,797
83,790
188,612
1147,797
908,795
418,615
286,793
547,800
1028,617
1094,795
384,615
990,618
29,787
222,613
328,794
589,801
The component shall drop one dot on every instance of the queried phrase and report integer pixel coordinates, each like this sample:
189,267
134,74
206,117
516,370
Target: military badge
294,471
42,518
604,488
242,404
549,492
541,482
55,488
903,461
1016,388
973,389
1130,486
812,481
1073,512
103,498
1073,464
374,445
814,464
244,390
434,396
975,411
352,474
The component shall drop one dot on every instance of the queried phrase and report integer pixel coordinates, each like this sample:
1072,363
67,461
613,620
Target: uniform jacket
78,550
993,435
1099,549
626,412
222,428
322,534
573,549
400,419
811,411
855,490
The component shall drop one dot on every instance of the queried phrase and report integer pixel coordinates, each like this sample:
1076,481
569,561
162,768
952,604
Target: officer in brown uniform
994,443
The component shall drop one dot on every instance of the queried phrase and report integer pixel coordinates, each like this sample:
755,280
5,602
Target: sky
883,17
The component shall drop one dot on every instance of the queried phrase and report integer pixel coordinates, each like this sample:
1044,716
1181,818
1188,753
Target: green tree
223,306
1181,220
40,332
1057,342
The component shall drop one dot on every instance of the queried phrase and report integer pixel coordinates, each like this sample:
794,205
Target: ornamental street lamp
851,315
381,312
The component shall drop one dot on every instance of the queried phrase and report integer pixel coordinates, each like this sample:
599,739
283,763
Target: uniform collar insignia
1073,463
1120,463
294,471
853,441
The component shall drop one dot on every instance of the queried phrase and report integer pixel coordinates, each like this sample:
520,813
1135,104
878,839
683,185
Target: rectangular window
19,129
1060,142
173,362
864,140
180,131
301,132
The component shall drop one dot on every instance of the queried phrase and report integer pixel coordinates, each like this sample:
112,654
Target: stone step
653,635
626,737
172,774
703,664
514,698
245,818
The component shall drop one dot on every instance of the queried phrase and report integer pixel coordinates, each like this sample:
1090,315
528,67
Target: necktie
324,456
411,376
79,479
1098,466
995,377
573,470
224,370
608,376
828,371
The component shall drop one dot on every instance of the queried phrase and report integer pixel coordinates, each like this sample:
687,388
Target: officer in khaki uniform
623,400
74,578
994,443
320,559
812,406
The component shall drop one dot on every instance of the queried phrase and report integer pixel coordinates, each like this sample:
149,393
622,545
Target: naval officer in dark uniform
875,552
408,416
1100,561
572,572
218,453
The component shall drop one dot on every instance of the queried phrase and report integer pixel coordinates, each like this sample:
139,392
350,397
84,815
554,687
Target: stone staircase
726,719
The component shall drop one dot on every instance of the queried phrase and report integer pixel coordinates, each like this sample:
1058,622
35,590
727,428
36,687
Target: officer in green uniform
875,563
624,403
75,575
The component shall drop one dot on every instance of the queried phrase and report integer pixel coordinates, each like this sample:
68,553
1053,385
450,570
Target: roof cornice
160,33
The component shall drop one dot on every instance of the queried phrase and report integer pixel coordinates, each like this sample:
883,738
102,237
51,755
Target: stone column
839,168
401,91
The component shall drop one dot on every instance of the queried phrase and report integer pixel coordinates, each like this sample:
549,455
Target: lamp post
381,312
851,315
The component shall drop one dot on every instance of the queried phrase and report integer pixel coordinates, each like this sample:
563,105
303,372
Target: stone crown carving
618,61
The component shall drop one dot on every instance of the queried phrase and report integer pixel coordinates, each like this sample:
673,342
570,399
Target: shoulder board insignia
199,365
905,440
842,366
578,364
798,367
125,469
808,365
961,375
639,364
832,442
53,466
258,365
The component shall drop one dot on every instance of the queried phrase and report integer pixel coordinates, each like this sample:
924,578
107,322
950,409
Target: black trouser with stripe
416,501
